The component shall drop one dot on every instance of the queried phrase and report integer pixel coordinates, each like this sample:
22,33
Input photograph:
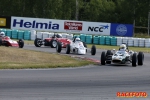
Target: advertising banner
125,30
5,22
36,24
73,26
96,28
70,26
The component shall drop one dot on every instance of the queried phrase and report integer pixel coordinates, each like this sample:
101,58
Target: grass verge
106,47
16,58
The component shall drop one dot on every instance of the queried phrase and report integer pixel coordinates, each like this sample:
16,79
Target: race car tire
93,50
108,52
134,60
53,43
84,44
108,62
37,42
103,58
68,49
0,42
58,47
140,58
21,43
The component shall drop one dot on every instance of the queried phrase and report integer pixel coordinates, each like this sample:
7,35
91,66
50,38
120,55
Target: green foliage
113,11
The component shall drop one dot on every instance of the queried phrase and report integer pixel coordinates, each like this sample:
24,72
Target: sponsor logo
2,21
121,30
75,26
98,29
34,24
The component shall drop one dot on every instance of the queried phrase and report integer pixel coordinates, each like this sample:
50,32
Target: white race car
122,57
77,47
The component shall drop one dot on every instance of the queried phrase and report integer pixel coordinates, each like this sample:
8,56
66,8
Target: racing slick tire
21,43
103,58
53,43
134,60
58,47
37,42
68,49
0,41
140,58
93,50
84,44
109,52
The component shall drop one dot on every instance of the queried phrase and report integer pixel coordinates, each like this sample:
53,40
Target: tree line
113,11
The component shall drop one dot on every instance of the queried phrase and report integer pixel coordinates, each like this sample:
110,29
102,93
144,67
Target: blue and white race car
122,56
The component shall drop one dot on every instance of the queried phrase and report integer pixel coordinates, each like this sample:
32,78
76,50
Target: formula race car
6,41
76,46
122,56
52,42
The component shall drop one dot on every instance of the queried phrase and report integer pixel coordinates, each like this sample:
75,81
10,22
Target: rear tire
140,58
108,52
68,49
134,60
84,44
108,62
1,42
93,50
103,58
37,42
58,47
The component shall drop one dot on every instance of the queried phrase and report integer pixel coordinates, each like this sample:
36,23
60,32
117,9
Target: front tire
21,43
134,59
68,49
103,58
58,47
140,58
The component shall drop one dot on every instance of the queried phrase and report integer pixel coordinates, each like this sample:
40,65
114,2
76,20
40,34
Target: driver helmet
77,39
59,36
2,34
123,46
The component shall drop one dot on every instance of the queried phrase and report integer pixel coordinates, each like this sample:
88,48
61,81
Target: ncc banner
121,30
96,28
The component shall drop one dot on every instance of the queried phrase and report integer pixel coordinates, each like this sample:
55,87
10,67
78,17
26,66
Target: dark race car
52,42
6,41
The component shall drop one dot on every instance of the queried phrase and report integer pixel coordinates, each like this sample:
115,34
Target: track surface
93,82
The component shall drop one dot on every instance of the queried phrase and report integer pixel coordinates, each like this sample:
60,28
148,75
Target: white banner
96,28
40,24
52,25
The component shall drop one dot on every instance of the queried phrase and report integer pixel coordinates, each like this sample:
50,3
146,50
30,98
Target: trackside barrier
89,39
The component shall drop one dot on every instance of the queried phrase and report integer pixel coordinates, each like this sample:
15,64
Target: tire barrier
89,39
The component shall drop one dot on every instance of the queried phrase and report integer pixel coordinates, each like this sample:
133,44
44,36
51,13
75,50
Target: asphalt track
93,82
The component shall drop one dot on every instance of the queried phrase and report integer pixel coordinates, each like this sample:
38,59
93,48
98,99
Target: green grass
107,47
16,58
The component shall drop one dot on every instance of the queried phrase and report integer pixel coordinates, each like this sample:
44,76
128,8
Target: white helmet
122,46
77,39
2,34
